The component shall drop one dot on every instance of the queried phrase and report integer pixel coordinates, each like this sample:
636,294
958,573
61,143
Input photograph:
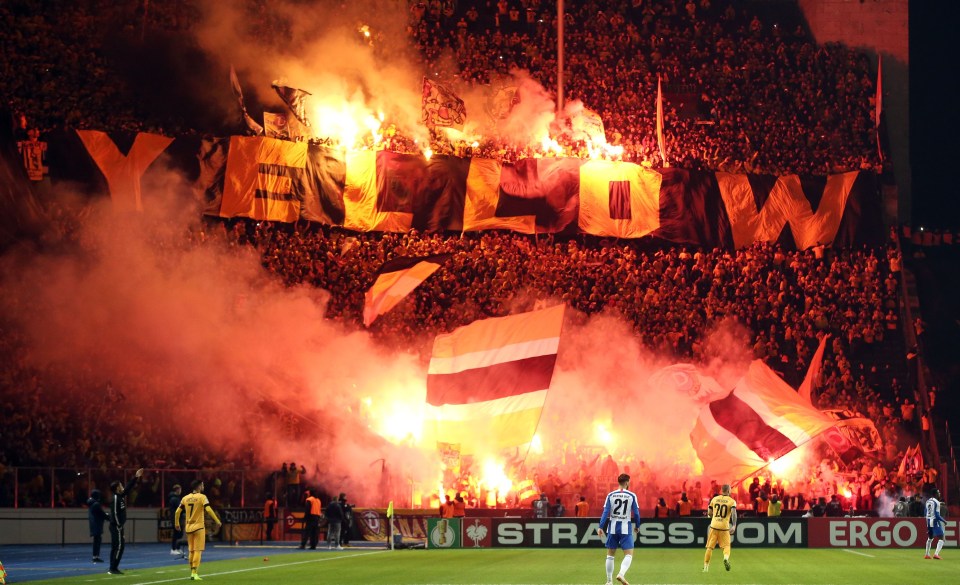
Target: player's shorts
935,532
718,536
623,541
197,540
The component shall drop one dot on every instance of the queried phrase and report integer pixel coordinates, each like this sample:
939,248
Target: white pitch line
274,565
853,552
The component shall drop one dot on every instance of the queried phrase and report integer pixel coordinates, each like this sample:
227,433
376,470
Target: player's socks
929,542
609,567
625,564
939,548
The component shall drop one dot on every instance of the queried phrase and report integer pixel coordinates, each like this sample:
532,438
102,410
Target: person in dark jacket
173,502
347,524
834,507
118,517
334,515
96,515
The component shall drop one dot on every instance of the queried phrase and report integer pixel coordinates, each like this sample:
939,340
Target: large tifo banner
269,179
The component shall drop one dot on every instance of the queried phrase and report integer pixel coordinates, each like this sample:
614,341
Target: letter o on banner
911,530
751,533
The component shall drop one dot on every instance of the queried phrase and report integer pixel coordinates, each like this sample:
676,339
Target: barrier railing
57,487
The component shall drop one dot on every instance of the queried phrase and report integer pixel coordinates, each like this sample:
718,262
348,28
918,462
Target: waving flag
811,379
282,126
912,461
502,102
295,100
853,436
442,107
255,128
395,280
660,141
591,124
762,420
488,381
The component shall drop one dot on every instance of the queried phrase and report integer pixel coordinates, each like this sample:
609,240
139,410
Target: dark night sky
935,113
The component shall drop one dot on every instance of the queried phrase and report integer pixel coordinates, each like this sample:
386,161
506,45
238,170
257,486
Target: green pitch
558,567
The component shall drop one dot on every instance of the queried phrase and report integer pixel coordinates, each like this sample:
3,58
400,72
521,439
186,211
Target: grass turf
558,567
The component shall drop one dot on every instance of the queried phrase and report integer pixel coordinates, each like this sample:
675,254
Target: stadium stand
731,59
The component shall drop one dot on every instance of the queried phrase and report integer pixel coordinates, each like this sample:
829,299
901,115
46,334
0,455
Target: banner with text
269,179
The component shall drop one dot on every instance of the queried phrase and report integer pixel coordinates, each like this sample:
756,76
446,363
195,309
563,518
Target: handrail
99,479
130,536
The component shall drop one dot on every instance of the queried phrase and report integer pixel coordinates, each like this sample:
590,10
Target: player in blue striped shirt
618,523
934,524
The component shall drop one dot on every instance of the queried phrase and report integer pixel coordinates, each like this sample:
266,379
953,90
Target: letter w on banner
762,420
442,107
488,381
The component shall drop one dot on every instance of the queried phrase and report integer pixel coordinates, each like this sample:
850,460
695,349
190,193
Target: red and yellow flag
395,280
762,420
488,381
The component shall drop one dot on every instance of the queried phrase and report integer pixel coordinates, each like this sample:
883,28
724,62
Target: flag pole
559,55
878,105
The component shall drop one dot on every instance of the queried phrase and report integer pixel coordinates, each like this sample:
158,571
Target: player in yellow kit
723,521
195,504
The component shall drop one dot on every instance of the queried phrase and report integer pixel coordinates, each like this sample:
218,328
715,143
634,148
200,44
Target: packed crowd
673,297
747,94
787,300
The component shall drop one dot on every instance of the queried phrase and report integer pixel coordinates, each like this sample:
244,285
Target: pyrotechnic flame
494,477
374,125
396,421
427,153
536,445
790,464
339,122
603,436
550,145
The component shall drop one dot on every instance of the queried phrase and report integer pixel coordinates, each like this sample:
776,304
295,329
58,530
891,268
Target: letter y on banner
123,171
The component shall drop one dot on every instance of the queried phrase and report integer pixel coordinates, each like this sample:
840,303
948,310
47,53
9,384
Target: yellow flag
390,510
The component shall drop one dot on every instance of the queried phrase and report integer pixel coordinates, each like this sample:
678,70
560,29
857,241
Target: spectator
96,516
334,515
